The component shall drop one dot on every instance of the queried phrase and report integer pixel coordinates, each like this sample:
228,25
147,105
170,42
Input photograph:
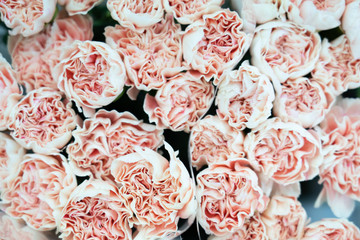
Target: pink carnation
14,229
212,140
339,173
136,15
228,195
180,102
94,210
42,122
245,97
351,26
331,228
64,31
284,152
91,74
74,7
303,101
284,218
26,17
337,69
107,136
253,229
40,186
321,14
26,54
158,192
11,155
186,12
260,11
9,91
285,50
150,55
215,43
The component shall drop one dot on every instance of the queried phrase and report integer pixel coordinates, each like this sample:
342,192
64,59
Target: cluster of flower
279,121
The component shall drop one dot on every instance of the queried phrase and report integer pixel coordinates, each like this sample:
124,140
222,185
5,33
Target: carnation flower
244,97
351,26
212,140
79,6
34,58
107,136
284,152
94,210
228,195
331,228
11,155
41,184
150,55
302,101
91,74
136,15
339,173
180,102
284,218
323,14
42,122
253,229
215,43
337,69
13,229
26,17
285,50
64,31
260,11
32,70
9,91
158,192
186,12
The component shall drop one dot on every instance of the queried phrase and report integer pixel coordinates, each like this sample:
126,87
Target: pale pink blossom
64,31
302,101
107,136
285,50
212,140
215,43
321,14
40,185
35,57
11,155
158,192
94,210
150,55
284,218
351,25
331,228
245,97
228,194
260,11
31,68
91,74
186,12
136,15
14,229
180,102
26,17
253,229
340,172
10,92
42,122
74,7
284,152
337,69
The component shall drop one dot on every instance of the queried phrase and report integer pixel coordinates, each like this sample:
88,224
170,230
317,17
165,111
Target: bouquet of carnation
168,119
